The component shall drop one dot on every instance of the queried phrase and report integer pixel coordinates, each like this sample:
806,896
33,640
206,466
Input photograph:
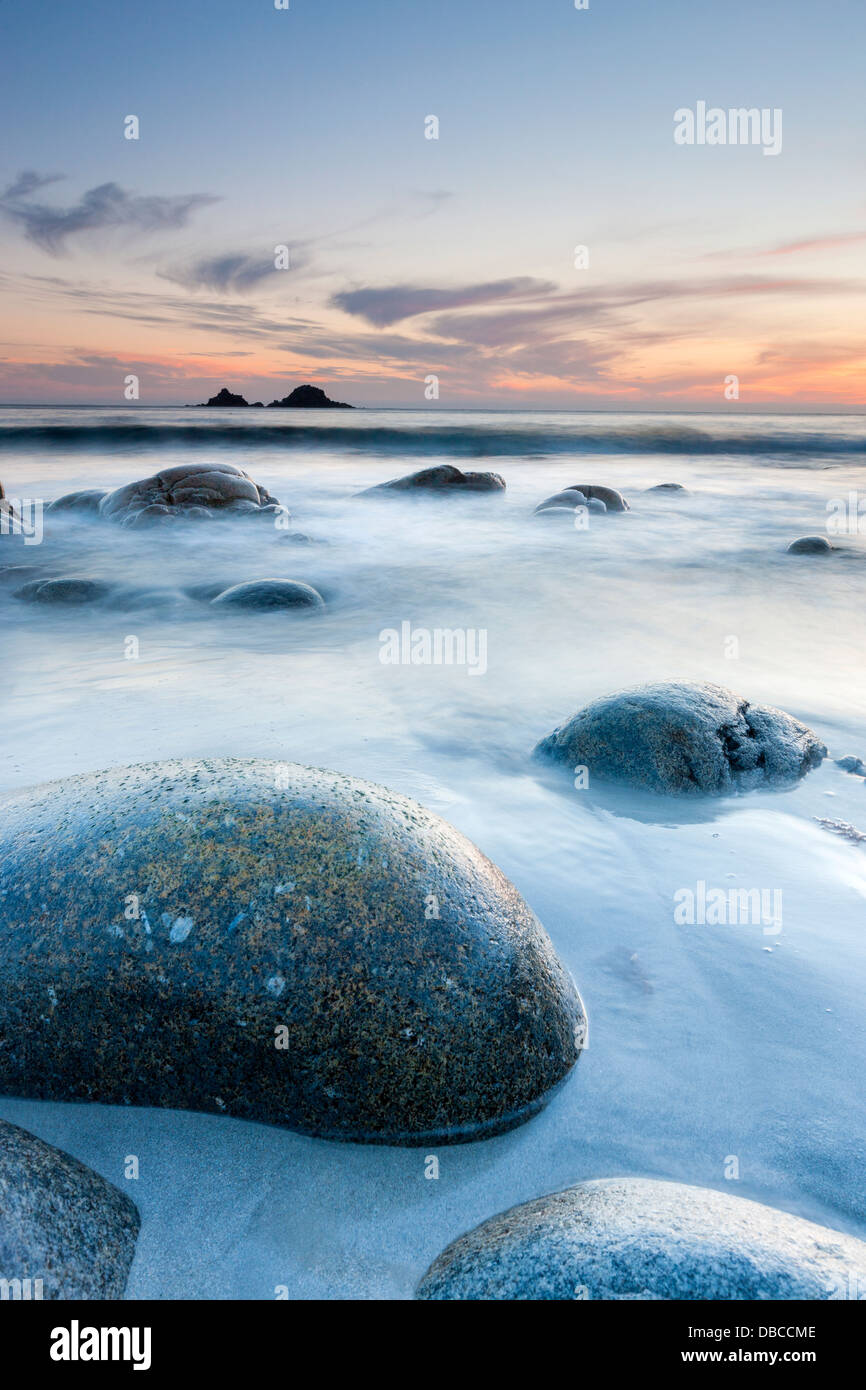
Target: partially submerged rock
684,737
277,943
810,545
635,1238
270,593
443,478
669,487
60,1223
851,763
613,500
69,591
569,497
188,490
86,501
225,397
308,398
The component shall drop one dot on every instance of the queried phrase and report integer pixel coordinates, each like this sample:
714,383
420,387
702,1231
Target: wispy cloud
393,303
105,206
231,272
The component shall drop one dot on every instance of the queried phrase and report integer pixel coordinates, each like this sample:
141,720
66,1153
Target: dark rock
60,1222
190,490
421,999
852,764
224,397
685,737
65,591
443,478
669,487
613,500
270,593
810,545
634,1238
87,501
308,398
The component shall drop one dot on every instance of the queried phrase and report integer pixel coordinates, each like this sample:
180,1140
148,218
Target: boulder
70,591
443,478
569,497
188,490
277,943
613,500
60,1222
810,545
683,737
636,1238
270,593
86,501
669,487
308,398
851,763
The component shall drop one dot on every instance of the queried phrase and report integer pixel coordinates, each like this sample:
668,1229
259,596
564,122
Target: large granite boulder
443,478
685,737
635,1238
190,490
60,1223
274,942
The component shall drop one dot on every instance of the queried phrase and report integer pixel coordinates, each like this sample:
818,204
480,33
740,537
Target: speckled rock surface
420,997
635,1238
190,490
443,478
810,545
270,593
613,500
61,1222
71,591
684,737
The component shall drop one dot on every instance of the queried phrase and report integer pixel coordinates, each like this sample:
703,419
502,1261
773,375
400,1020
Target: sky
411,258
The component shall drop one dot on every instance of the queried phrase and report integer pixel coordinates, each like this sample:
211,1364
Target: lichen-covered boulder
443,478
64,1231
269,593
189,490
636,1238
273,942
683,737
810,545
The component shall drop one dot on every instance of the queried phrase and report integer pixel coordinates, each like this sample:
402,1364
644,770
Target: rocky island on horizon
303,397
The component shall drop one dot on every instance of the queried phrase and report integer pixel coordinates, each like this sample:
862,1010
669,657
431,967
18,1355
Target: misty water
708,1044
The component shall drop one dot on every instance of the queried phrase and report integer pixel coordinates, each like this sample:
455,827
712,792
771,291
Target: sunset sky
409,256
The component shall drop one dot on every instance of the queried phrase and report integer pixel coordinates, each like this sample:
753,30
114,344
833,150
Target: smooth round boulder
188,490
85,501
442,478
70,592
569,497
810,545
64,1231
640,1239
685,738
277,943
669,488
613,500
270,593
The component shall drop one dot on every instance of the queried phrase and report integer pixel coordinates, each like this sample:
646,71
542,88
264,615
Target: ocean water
714,1050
